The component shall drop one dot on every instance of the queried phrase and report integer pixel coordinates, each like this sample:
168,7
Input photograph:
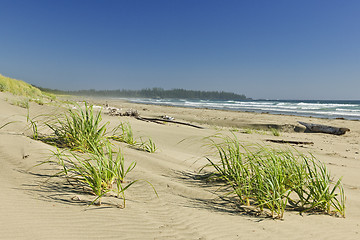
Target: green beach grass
124,133
97,172
24,91
87,157
18,87
276,179
80,129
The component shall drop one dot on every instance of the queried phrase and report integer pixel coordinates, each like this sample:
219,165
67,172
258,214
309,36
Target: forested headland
154,93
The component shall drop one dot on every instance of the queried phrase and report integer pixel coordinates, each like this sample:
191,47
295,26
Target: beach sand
34,206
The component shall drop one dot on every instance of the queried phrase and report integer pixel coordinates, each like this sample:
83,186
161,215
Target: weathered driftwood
113,111
324,129
290,142
157,120
148,120
131,112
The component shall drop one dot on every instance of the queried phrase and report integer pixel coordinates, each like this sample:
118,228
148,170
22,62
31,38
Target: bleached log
289,142
318,128
166,120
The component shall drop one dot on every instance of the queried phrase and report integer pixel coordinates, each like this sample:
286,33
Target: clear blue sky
290,49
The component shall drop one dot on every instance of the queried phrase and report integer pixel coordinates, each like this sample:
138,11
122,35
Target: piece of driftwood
318,128
157,120
131,112
148,120
290,142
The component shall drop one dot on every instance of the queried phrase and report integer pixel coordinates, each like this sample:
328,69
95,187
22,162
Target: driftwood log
289,142
149,120
318,128
159,121
112,111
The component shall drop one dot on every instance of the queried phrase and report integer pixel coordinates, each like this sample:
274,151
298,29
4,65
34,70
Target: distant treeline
153,93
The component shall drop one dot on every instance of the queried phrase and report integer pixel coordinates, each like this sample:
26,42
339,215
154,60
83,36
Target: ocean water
321,109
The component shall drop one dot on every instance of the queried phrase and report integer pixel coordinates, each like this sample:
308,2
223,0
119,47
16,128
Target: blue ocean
314,108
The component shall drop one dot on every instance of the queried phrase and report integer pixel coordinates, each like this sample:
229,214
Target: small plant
266,178
34,127
80,130
38,101
23,103
253,131
126,134
248,131
33,124
98,172
234,130
148,145
321,189
275,132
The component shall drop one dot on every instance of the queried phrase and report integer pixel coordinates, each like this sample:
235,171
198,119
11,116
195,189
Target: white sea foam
330,109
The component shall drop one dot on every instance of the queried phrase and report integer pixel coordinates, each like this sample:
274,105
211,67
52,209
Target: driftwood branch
318,128
290,142
159,121
148,120
113,111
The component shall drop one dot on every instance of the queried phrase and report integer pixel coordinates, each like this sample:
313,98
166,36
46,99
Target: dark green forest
153,93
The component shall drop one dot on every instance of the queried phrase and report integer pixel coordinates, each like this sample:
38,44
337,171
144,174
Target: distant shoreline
349,110
158,93
274,107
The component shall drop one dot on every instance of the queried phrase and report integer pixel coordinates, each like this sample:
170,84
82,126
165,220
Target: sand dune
34,207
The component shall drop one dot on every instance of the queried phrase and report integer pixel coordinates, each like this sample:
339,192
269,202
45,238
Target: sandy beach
34,206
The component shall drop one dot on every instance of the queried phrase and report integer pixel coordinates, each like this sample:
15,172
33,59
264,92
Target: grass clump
80,129
23,103
97,172
126,134
33,125
91,164
253,131
38,101
275,179
234,129
275,132
248,130
147,145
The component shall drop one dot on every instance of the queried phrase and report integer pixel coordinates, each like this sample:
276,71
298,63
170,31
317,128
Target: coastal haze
263,49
